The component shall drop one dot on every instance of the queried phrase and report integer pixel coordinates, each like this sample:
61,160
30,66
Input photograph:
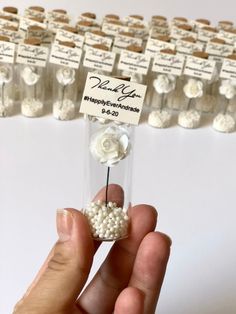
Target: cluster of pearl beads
108,222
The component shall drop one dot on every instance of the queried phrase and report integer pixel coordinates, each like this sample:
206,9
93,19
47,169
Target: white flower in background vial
193,88
110,145
227,89
65,76
5,74
30,76
164,83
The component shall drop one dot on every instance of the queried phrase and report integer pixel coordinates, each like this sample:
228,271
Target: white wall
193,9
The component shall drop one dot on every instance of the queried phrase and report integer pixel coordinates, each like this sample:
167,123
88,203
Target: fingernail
64,224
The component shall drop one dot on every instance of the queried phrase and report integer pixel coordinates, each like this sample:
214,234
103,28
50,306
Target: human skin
128,281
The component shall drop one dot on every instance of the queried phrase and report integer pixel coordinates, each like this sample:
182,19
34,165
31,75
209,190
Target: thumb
66,271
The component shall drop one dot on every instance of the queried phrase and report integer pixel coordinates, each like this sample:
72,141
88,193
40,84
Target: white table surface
190,175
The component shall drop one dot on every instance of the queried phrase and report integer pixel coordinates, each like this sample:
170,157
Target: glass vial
108,179
225,119
194,89
6,86
64,90
159,84
32,87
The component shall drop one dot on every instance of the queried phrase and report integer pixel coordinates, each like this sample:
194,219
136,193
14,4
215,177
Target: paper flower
164,83
5,74
110,145
65,76
228,89
30,76
193,88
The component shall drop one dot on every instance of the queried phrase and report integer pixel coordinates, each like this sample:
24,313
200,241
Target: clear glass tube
6,89
108,175
190,117
32,90
224,120
64,92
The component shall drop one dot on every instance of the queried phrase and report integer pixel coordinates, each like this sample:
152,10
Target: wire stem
107,183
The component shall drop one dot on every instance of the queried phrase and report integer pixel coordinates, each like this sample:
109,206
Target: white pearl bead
107,222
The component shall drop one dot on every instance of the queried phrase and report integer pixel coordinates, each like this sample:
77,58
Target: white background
189,175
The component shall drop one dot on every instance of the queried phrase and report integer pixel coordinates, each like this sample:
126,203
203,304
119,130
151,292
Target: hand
128,282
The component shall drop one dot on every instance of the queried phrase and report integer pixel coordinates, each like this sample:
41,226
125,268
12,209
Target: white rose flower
164,83
30,76
5,74
110,145
228,89
65,76
193,88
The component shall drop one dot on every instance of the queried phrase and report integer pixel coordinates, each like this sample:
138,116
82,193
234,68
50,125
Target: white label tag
63,35
168,64
99,59
25,23
138,32
84,28
186,47
113,99
15,37
51,15
219,49
228,37
134,62
216,59
85,18
122,42
7,52
159,31
93,39
198,67
32,55
6,23
159,23
54,26
39,34
225,26
205,36
175,22
133,20
154,46
34,13
179,33
228,70
113,29
65,56
196,24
